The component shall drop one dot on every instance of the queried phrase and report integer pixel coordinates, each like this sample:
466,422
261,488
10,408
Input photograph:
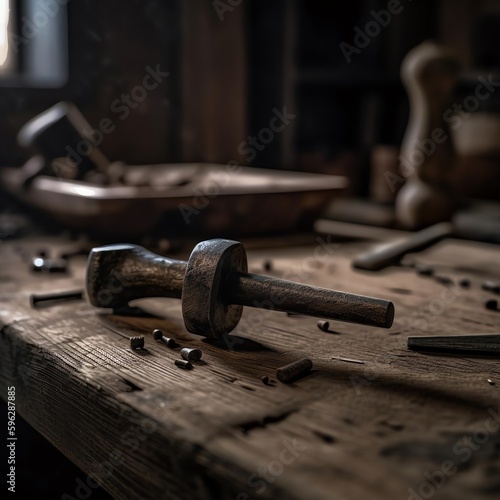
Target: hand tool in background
63,138
478,224
214,286
457,344
386,254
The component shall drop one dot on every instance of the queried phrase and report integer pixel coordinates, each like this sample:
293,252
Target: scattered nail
464,282
294,370
136,342
444,280
191,354
323,325
491,286
159,336
182,363
491,304
48,299
424,270
349,360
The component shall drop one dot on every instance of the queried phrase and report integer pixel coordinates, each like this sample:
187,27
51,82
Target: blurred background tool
391,253
457,344
479,226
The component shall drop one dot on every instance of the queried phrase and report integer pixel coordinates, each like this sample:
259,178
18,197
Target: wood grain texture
346,431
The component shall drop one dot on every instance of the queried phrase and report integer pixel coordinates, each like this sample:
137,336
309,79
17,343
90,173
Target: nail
294,370
424,270
54,298
464,283
491,286
323,325
182,363
191,354
136,342
159,336
444,280
491,304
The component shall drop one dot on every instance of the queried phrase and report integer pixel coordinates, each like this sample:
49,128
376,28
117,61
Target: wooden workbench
373,420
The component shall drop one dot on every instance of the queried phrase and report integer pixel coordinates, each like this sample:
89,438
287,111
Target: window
4,34
33,43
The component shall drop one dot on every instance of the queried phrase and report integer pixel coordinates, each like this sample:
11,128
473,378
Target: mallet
214,285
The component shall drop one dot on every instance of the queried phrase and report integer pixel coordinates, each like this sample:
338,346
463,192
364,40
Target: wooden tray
207,199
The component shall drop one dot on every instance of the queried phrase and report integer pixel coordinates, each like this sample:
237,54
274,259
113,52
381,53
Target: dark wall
111,44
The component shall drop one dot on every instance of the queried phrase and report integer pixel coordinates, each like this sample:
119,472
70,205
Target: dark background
226,76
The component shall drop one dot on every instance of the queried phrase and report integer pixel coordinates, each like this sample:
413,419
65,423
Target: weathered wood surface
368,429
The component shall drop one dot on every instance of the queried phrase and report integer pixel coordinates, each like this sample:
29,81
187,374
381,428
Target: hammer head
118,274
205,305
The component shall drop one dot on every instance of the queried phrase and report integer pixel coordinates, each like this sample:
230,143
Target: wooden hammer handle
276,294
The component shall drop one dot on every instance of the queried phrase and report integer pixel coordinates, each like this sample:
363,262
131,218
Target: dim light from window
4,33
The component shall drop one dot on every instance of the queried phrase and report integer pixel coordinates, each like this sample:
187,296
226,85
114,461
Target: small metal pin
424,270
491,304
182,363
444,280
323,325
464,282
294,370
191,354
159,336
491,382
491,286
37,299
451,344
136,342
349,360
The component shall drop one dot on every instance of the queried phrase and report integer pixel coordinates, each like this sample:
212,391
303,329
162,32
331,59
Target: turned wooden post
427,158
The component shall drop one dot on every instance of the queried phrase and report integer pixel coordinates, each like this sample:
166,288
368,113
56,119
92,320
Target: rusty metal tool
214,285
457,344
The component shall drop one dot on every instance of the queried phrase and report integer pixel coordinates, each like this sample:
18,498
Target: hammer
214,285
